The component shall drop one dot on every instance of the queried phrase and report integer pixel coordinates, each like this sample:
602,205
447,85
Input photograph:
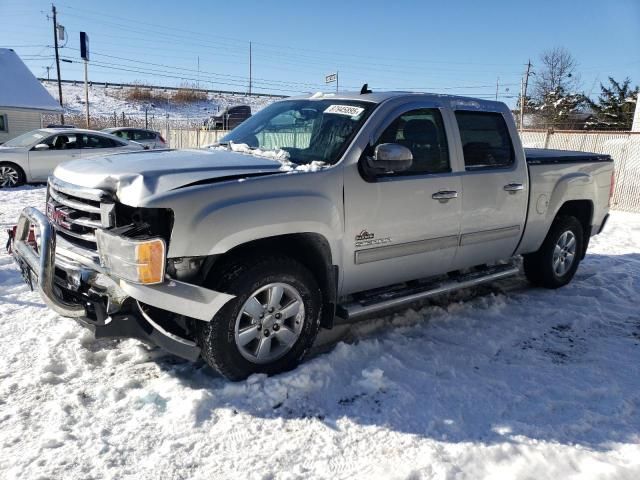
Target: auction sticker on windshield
347,110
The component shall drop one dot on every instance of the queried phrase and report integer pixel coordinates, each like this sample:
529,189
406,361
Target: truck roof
379,97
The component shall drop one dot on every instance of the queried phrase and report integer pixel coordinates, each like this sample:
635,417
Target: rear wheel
11,175
271,323
557,260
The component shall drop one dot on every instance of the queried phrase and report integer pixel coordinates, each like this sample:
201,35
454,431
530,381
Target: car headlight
138,261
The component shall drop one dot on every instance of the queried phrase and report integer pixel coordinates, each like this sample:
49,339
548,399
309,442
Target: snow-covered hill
105,101
504,382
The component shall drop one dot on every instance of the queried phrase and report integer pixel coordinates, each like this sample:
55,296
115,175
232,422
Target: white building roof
19,88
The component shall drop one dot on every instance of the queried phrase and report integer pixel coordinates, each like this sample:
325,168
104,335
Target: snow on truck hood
133,176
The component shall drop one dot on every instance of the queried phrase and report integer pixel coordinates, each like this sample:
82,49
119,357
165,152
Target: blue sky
461,47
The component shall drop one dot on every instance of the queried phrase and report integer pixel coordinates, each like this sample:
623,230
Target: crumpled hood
134,176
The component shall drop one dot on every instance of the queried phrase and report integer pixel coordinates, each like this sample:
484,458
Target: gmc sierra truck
314,211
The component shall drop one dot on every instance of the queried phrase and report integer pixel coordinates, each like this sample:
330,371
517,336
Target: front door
62,147
495,186
404,225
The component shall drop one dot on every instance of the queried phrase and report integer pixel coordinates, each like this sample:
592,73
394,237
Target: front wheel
11,175
271,323
557,260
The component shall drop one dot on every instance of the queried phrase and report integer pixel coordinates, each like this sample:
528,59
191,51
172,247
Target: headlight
139,261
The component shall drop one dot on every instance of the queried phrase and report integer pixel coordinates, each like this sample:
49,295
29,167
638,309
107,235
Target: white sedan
33,156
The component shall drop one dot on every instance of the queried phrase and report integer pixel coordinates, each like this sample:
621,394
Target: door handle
513,188
444,195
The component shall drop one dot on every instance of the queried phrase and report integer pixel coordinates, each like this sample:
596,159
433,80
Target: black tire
21,178
539,266
242,278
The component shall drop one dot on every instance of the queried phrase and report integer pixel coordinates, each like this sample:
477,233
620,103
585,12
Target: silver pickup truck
314,211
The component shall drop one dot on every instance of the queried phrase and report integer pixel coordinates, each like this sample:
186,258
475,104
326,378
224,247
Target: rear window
486,142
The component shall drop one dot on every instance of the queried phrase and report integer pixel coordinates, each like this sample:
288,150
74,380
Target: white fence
192,137
624,148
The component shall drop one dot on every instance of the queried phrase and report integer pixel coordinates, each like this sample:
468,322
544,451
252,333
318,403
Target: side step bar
358,308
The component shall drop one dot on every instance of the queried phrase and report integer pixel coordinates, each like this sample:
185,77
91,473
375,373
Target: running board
359,308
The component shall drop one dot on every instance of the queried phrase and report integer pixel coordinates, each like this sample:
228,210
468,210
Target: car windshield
308,130
27,139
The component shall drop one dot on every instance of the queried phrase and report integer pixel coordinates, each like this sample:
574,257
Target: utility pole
337,81
523,96
497,87
86,92
84,54
250,68
48,68
55,43
198,74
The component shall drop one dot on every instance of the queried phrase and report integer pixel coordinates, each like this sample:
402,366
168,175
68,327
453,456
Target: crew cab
315,211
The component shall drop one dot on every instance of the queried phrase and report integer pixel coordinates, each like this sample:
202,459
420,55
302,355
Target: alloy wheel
564,253
269,323
9,177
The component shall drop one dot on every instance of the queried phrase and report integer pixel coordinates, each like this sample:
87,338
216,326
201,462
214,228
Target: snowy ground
507,382
105,101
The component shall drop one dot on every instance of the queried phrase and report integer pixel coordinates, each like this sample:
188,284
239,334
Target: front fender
219,228
213,219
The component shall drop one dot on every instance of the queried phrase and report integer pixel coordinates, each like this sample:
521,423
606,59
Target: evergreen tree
615,107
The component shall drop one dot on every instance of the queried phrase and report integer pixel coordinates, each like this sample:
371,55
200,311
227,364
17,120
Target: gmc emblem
58,215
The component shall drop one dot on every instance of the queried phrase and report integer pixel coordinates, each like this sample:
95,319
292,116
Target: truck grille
76,212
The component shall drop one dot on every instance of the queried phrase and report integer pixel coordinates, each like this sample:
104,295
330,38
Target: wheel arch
310,249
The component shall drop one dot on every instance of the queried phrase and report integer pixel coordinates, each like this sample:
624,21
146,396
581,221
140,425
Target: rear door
144,137
495,186
405,225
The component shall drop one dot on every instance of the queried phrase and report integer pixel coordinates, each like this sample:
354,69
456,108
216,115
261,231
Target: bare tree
556,99
557,73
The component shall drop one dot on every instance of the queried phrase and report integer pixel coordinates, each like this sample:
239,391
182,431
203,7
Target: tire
257,279
11,175
552,268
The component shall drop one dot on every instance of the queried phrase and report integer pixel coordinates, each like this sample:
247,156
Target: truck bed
543,156
558,176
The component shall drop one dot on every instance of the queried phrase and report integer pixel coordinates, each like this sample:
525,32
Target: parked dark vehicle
229,118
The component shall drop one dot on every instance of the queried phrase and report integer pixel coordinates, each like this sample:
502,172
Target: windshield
27,139
308,130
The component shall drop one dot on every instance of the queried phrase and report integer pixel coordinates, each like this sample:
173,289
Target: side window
421,131
486,142
3,123
63,142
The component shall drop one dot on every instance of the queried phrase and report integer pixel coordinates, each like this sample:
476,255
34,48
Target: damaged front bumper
75,285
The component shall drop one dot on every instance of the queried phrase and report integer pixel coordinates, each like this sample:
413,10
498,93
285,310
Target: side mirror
41,146
391,157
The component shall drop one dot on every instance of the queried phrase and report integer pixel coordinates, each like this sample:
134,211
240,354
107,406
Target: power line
277,54
241,42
